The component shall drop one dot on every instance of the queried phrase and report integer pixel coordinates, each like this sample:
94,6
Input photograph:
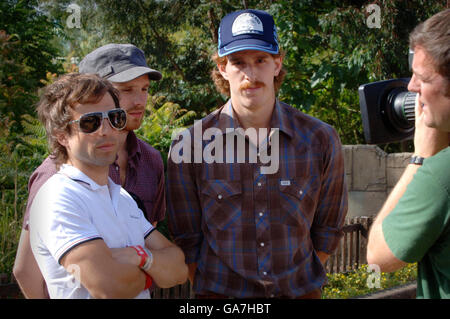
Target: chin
133,126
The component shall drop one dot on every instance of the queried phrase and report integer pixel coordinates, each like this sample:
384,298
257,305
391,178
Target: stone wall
371,174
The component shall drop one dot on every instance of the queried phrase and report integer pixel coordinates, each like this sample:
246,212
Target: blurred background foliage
330,51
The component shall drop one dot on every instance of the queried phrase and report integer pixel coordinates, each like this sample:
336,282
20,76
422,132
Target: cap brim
248,44
134,73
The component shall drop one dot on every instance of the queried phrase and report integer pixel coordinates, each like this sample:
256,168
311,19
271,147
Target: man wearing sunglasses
138,166
87,233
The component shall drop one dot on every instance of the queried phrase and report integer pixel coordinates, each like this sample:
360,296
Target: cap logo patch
247,23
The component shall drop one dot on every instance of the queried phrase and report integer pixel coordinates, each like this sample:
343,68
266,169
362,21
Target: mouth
106,147
135,113
251,89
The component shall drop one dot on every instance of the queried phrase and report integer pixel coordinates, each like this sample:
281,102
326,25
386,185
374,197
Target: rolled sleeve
329,219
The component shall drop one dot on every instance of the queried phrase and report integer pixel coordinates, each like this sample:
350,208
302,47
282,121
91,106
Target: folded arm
101,274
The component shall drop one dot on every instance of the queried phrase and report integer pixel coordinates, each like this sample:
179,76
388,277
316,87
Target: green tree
27,53
331,51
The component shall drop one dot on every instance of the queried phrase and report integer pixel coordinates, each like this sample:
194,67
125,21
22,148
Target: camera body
387,109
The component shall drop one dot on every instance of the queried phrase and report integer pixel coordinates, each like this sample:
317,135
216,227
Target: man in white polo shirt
88,236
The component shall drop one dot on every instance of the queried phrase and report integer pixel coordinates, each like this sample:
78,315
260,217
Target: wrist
416,160
145,257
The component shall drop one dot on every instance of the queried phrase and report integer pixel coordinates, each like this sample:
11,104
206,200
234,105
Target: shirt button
261,214
265,273
259,184
262,244
300,192
219,196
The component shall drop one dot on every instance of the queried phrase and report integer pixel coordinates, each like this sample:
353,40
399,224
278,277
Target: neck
98,174
256,117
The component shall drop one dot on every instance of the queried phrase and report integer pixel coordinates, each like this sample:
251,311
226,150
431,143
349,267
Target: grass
10,228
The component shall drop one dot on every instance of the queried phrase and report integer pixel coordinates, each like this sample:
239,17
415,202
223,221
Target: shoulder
56,195
210,120
42,173
437,167
150,155
59,188
308,127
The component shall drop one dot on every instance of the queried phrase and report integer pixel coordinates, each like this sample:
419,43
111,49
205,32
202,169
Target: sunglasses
90,122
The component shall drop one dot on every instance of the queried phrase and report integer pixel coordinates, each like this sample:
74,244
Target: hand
127,255
428,141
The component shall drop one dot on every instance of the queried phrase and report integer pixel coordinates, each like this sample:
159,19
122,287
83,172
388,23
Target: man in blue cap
248,231
138,167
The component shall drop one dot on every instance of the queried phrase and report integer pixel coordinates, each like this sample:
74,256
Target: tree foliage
27,53
330,49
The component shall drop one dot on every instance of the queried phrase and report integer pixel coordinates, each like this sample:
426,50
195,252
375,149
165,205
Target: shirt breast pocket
297,201
222,203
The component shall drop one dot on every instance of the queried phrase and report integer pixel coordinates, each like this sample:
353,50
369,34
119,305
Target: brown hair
433,36
223,86
59,97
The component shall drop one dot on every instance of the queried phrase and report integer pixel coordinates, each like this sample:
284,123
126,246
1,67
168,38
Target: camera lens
399,109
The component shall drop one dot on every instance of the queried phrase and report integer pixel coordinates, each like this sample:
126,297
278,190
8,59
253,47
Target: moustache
249,85
136,108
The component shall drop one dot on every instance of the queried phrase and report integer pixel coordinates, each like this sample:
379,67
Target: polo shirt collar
76,175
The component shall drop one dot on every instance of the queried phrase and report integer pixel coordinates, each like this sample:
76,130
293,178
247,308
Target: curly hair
223,86
59,97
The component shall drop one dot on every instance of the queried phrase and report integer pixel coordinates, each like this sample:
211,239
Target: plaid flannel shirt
253,234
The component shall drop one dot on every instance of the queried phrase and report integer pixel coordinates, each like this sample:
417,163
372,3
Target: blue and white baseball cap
247,30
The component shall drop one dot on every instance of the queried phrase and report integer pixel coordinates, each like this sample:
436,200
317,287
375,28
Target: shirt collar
280,118
133,147
76,175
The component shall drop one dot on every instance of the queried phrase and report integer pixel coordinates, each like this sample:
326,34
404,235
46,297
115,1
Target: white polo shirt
71,209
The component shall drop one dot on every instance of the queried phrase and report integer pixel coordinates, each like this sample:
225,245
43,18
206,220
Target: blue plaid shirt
252,234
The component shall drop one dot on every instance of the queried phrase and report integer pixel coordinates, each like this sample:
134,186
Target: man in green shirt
414,223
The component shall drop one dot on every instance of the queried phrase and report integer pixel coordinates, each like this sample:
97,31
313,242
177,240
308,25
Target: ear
222,70
278,64
62,139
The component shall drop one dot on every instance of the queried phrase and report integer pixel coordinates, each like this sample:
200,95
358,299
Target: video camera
387,110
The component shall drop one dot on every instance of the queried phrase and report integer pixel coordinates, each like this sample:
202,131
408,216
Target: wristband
140,251
417,160
149,260
148,281
146,257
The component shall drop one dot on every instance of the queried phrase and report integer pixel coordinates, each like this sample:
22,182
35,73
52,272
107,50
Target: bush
356,283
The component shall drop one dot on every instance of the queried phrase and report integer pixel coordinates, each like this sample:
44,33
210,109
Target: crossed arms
114,273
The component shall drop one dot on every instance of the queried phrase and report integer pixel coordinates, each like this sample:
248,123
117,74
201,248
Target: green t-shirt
418,229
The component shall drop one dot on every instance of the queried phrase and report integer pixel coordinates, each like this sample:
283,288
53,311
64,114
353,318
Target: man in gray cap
138,168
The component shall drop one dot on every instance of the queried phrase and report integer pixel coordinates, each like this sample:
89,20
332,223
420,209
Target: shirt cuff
326,239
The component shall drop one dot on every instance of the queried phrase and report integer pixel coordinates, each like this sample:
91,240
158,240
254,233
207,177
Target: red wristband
148,281
141,252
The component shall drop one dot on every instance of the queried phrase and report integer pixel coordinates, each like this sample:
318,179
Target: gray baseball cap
118,63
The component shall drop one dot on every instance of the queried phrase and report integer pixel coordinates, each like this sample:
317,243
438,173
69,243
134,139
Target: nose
141,98
105,127
250,72
413,84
